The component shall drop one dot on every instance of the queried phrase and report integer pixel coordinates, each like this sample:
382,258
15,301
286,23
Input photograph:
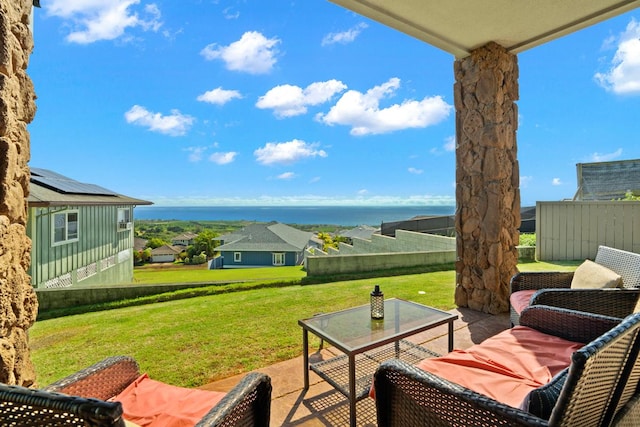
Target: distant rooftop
607,180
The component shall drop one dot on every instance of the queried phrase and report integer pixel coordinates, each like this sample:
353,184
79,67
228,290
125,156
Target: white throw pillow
590,275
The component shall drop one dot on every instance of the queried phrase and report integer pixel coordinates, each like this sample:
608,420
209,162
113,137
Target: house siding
103,252
250,258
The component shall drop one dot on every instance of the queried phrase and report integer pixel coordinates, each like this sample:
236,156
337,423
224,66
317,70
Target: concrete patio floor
321,405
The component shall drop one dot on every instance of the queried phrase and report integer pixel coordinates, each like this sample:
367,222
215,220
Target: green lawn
182,274
190,342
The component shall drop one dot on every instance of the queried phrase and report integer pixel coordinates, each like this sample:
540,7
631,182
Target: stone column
487,177
18,303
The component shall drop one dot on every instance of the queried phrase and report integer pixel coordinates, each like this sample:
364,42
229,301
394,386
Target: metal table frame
373,348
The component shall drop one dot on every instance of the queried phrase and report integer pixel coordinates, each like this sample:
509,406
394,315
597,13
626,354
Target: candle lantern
377,303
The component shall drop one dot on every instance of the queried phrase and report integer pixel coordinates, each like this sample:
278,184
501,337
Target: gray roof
360,232
266,237
166,250
184,236
48,188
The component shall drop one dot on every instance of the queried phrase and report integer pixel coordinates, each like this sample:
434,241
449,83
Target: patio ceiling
460,26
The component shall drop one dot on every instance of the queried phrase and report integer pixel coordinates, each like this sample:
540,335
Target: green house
82,234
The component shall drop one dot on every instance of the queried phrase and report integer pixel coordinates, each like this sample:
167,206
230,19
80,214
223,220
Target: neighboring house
607,180
266,244
184,239
139,244
165,253
360,232
81,234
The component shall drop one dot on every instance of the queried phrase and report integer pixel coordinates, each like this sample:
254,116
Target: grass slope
191,342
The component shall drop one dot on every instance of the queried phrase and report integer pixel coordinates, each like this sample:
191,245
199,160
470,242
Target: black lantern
377,303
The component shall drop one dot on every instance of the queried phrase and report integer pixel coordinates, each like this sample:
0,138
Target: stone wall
18,303
487,177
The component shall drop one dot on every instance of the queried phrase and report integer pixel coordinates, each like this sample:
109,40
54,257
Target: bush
196,259
527,239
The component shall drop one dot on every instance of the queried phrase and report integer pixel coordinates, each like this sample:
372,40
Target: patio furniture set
566,361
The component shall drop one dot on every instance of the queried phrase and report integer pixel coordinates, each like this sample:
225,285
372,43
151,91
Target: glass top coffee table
366,343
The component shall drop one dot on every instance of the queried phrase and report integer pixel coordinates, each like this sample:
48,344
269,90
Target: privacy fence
573,230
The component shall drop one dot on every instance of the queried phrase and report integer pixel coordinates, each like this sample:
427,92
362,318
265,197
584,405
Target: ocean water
336,215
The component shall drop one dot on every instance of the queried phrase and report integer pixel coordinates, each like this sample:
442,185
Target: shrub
527,239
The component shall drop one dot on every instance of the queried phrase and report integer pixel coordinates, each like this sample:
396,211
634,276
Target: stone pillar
18,303
487,177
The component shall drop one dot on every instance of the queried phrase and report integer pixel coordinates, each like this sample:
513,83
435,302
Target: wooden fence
574,230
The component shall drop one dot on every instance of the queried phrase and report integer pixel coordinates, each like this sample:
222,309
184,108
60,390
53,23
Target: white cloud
223,158
288,100
95,20
415,171
363,113
253,53
230,14
219,96
286,175
556,181
363,192
624,75
307,200
314,180
450,143
287,152
606,157
175,124
344,37
525,180
195,153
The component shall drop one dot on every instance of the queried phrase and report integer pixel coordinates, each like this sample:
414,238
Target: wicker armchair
81,399
601,385
554,288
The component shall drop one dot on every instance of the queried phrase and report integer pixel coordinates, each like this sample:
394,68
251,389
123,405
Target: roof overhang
460,26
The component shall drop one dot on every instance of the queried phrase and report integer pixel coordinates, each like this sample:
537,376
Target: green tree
156,242
204,243
629,196
330,241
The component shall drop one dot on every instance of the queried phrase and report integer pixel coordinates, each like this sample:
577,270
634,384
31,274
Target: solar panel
62,184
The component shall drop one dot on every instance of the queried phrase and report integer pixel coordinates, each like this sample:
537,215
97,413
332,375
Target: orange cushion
520,300
507,366
152,403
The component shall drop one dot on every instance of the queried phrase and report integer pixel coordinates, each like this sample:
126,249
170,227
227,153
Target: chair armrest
248,403
541,280
409,396
29,407
102,380
571,325
609,302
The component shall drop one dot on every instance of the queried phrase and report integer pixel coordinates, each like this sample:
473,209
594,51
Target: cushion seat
507,366
147,403
520,300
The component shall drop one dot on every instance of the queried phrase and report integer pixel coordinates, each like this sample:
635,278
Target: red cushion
507,366
520,300
152,403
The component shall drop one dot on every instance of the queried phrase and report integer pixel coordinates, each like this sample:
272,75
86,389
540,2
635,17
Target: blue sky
302,102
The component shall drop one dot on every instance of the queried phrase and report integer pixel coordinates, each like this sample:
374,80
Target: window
124,218
237,256
65,227
278,258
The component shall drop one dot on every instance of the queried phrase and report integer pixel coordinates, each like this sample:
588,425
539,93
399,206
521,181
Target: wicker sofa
599,388
555,288
81,399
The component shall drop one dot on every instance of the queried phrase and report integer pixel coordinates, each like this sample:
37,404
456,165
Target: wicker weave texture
602,385
554,287
626,264
248,404
102,380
